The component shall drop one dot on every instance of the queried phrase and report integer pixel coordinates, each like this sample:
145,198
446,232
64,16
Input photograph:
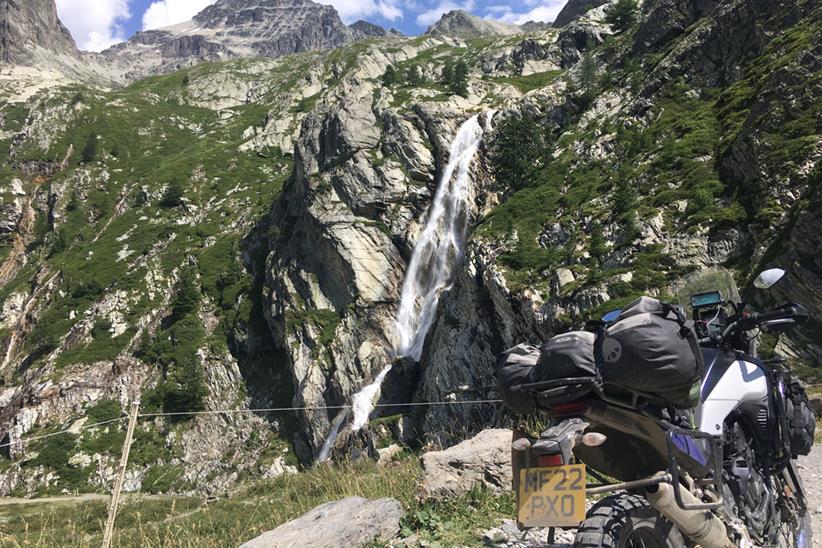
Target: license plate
551,497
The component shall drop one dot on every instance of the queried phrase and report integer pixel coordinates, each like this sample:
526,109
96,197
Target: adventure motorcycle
719,474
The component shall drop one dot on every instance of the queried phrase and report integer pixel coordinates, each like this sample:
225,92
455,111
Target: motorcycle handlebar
788,312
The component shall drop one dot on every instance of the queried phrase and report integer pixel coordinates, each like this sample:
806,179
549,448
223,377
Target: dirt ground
810,468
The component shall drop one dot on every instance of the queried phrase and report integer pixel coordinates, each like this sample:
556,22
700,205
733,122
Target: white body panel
743,381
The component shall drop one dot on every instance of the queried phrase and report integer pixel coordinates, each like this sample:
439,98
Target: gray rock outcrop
30,29
353,522
484,459
460,24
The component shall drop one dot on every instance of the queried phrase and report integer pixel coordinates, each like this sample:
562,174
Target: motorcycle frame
714,462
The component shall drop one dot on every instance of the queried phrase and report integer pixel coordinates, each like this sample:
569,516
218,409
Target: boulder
352,522
484,459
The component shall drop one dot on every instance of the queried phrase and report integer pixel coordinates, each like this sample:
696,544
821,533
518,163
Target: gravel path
810,468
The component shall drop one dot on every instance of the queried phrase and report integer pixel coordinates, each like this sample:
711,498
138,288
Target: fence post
121,475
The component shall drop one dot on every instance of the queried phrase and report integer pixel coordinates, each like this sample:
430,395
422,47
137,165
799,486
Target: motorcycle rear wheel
627,521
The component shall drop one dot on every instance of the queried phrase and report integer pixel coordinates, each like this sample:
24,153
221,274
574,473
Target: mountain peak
31,30
461,24
244,13
364,29
232,29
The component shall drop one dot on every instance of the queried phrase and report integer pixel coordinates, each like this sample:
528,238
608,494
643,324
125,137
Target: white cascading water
430,272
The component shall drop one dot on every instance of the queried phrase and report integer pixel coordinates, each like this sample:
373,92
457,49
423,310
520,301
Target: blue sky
98,24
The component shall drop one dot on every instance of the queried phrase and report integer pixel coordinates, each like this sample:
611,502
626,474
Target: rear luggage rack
558,391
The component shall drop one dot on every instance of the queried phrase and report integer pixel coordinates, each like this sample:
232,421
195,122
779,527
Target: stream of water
438,250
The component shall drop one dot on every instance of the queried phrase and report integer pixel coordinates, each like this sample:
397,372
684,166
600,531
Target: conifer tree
89,153
459,80
390,77
622,15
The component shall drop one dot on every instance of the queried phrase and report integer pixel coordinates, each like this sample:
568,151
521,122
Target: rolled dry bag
513,370
569,359
566,356
652,349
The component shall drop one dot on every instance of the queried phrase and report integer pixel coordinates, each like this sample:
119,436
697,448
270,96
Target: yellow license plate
551,497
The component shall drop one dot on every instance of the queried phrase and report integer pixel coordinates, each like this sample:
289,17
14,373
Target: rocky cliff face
284,197
31,29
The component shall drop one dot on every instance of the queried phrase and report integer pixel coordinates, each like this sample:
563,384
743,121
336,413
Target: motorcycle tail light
550,460
567,409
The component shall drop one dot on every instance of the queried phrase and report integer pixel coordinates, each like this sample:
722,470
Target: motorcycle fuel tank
730,383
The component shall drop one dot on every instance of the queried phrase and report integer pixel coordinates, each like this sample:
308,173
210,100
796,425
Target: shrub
89,153
101,329
391,76
104,410
173,196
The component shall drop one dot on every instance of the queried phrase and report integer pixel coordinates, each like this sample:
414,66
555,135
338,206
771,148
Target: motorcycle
720,475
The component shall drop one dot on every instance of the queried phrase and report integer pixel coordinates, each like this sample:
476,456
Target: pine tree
413,77
391,77
622,16
187,298
518,152
597,246
588,76
459,81
447,74
89,153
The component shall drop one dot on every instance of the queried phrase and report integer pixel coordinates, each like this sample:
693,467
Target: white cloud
351,10
94,24
164,13
540,10
432,15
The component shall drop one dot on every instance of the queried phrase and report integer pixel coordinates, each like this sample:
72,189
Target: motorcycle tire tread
607,520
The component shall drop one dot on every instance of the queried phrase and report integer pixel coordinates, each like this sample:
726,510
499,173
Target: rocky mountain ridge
464,25
229,29
240,230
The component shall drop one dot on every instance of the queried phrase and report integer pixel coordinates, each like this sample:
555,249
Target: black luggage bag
653,350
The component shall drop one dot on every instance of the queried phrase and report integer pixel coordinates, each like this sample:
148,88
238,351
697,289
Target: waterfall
438,250
328,445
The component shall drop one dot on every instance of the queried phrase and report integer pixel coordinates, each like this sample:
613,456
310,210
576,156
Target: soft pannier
514,368
567,356
801,419
653,350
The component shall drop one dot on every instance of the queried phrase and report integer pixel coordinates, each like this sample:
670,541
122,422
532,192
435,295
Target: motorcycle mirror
612,315
769,278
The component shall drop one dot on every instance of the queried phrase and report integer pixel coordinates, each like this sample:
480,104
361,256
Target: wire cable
239,411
